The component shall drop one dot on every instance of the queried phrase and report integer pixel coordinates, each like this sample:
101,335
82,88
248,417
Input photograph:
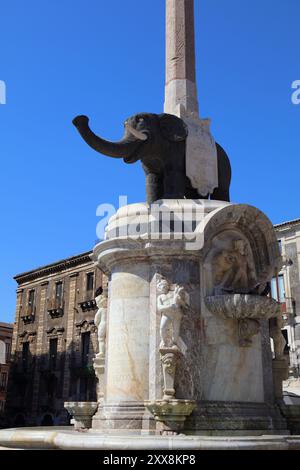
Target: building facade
6,333
286,289
54,341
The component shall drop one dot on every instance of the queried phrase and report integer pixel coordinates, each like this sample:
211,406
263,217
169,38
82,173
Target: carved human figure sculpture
100,320
234,270
279,342
170,304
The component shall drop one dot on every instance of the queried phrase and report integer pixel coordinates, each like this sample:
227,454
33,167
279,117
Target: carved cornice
55,331
287,224
53,268
27,336
85,326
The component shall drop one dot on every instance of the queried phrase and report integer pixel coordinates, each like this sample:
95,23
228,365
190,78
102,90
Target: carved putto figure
100,319
234,269
279,342
170,304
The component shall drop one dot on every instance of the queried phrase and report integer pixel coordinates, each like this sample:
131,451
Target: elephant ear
172,127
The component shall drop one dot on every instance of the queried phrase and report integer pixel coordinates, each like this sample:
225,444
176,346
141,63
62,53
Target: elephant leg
154,189
220,194
174,185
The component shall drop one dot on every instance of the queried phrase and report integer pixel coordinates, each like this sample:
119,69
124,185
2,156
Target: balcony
88,302
28,313
55,308
288,309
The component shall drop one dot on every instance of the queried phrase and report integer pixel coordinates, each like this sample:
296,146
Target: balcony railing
28,313
87,301
55,308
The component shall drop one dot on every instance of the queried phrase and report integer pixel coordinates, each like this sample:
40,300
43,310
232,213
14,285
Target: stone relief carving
278,339
235,289
99,360
171,303
234,270
100,321
254,225
169,361
247,328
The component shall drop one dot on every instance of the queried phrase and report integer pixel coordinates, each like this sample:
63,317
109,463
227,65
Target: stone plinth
181,258
170,414
82,412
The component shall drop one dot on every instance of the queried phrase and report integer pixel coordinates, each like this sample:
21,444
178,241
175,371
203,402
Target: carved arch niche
241,253
229,266
240,257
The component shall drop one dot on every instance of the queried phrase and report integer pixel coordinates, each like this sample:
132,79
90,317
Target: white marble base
59,438
214,367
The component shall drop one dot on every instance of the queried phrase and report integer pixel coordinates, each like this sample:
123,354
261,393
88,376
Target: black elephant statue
159,142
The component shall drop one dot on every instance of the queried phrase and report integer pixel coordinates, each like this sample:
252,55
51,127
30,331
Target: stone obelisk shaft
180,88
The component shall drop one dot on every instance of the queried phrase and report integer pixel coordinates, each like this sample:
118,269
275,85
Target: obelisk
180,86
181,96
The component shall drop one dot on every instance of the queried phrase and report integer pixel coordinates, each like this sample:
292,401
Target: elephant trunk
122,149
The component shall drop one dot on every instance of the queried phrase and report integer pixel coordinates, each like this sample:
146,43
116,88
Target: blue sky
60,58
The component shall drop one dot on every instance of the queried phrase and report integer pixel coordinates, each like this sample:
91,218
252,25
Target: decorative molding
55,331
54,268
27,336
84,326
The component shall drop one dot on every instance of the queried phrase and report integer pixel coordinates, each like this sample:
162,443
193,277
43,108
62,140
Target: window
280,246
2,352
52,353
89,282
25,356
85,347
7,351
277,288
59,291
3,380
31,297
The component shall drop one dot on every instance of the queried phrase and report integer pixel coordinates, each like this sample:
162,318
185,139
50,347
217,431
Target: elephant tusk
139,135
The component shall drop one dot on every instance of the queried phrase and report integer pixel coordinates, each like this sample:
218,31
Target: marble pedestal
230,379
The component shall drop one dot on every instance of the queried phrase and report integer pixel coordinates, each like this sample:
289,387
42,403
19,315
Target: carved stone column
181,89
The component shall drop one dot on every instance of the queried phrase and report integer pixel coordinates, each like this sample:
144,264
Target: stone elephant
159,142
